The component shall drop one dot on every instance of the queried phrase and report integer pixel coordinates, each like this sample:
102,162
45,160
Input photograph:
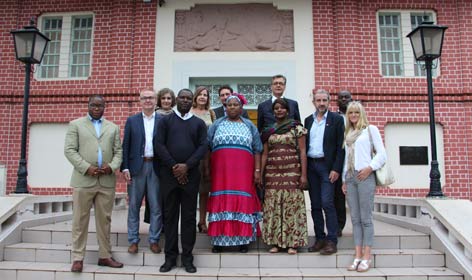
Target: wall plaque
233,27
413,155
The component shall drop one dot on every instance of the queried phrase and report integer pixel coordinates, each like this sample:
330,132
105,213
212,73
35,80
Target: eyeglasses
147,98
96,105
278,84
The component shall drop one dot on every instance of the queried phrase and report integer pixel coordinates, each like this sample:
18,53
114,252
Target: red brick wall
346,57
122,63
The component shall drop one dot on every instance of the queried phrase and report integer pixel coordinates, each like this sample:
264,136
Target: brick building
116,48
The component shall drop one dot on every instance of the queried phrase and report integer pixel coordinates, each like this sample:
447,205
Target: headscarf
281,128
239,97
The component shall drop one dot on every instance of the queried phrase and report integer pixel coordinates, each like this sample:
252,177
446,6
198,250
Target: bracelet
258,170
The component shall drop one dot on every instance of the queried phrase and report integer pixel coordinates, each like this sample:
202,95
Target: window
255,90
390,44
395,52
50,65
68,54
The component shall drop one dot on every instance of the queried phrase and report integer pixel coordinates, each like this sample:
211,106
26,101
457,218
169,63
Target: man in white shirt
325,156
140,169
265,115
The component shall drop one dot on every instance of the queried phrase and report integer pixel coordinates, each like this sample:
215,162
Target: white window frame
65,55
233,82
407,57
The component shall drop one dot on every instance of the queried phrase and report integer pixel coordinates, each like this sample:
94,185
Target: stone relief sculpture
233,27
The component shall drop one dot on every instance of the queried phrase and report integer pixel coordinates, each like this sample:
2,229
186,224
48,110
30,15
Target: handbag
383,175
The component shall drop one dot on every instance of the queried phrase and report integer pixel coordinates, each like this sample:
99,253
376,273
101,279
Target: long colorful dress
233,207
284,209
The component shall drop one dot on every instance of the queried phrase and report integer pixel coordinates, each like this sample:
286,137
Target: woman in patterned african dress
234,210
284,224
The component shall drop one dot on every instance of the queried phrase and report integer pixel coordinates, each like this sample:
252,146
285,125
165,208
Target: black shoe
190,268
243,249
329,249
166,267
216,249
340,232
319,244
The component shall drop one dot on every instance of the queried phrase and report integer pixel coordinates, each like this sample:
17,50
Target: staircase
398,254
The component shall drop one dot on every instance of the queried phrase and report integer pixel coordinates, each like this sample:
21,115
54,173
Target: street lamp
427,40
30,45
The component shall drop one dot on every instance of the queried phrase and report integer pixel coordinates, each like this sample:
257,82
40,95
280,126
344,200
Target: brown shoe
133,248
155,248
329,249
110,262
77,266
319,244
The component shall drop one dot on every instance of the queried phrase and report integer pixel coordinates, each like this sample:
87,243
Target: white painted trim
406,51
65,50
174,69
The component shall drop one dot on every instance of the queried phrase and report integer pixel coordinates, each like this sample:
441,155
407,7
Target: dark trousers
340,203
179,198
321,193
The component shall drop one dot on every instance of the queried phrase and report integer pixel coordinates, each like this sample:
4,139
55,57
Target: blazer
134,142
220,112
332,140
265,115
81,146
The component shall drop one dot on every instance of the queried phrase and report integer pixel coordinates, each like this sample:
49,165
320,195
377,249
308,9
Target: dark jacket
134,142
332,140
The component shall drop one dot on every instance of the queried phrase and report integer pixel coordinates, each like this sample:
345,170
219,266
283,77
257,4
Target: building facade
116,48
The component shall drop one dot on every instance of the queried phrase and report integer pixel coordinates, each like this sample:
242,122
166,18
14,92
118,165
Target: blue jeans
144,183
321,192
360,197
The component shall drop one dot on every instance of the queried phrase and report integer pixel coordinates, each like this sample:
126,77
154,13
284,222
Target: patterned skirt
234,210
284,208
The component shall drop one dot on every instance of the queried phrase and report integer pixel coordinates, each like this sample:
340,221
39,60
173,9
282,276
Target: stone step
57,271
255,258
391,241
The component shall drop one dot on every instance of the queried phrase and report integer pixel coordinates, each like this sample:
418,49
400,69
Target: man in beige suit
93,147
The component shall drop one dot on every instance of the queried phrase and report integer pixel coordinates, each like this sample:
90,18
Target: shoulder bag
383,175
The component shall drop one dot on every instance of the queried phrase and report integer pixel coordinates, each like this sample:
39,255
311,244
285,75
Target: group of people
178,149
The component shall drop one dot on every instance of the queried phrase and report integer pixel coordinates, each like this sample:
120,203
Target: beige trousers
102,199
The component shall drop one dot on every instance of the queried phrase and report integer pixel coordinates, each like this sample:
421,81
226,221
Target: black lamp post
427,40
30,45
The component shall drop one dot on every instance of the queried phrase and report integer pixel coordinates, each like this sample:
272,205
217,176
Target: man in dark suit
140,169
265,115
224,92
325,156
344,98
180,145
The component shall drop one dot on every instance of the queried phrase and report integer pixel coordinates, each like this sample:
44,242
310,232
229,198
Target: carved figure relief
233,27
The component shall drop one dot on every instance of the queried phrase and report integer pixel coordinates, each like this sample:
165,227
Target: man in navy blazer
265,115
223,93
140,170
325,156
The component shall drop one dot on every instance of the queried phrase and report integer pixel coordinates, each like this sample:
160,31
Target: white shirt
315,149
148,132
275,98
363,154
185,117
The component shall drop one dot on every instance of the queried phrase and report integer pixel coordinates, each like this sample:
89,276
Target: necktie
98,125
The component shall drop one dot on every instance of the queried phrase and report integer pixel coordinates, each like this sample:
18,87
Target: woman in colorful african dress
284,224
234,210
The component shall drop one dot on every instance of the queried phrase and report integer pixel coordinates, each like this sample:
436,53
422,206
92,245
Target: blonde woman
359,180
